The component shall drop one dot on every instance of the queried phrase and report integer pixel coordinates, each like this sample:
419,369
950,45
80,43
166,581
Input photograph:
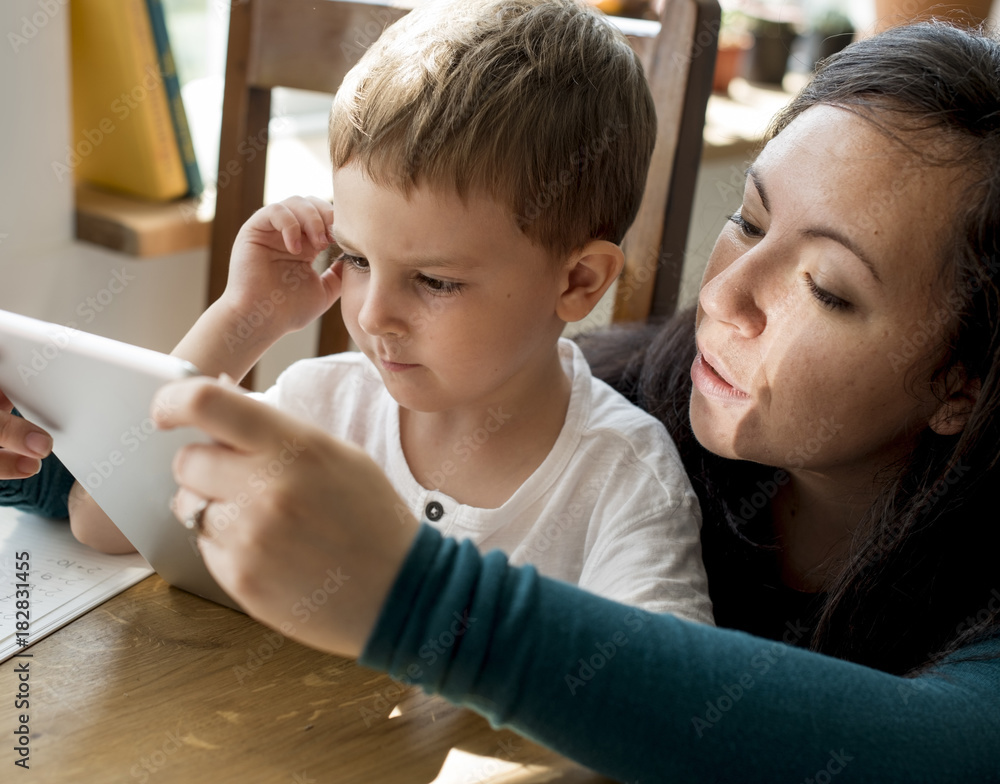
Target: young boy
488,157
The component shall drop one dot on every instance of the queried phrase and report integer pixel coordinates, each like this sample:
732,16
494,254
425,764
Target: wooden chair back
311,44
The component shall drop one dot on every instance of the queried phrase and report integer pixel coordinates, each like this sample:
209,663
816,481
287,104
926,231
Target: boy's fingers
284,221
223,413
332,283
325,211
310,221
315,222
323,207
293,239
295,218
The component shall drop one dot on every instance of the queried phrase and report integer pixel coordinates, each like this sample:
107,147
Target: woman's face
818,324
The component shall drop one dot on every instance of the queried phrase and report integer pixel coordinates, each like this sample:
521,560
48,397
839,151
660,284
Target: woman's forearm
641,697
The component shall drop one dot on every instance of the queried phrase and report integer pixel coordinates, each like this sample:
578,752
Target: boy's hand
271,273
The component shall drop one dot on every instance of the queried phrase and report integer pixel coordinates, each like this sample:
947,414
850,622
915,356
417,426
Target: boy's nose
380,313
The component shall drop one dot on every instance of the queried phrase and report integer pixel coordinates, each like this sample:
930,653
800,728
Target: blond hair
540,104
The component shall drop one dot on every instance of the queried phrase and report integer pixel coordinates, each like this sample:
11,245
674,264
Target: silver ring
194,520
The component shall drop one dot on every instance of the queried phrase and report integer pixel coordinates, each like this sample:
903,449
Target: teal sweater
650,698
46,493
646,698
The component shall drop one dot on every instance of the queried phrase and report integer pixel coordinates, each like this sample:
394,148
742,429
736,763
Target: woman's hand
303,530
22,444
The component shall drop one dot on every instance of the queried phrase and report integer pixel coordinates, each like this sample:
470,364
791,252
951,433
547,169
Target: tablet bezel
94,395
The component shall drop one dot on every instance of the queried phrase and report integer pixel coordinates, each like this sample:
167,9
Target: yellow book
123,134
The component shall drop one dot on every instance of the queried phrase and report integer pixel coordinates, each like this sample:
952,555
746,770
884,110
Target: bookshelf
140,228
137,181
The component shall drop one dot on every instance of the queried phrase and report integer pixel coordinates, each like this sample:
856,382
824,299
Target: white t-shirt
610,508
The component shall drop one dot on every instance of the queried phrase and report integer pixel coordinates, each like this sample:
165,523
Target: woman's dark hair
923,574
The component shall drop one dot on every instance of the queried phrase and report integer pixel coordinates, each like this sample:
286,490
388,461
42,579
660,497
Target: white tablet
93,395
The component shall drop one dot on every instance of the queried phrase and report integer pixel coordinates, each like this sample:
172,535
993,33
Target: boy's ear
586,275
953,413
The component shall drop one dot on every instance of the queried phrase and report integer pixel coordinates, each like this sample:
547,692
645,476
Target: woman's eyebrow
754,177
847,242
828,233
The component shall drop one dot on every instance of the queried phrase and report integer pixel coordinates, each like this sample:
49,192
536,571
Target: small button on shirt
434,511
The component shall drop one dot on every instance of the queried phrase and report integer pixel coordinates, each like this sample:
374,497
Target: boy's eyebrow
340,239
429,261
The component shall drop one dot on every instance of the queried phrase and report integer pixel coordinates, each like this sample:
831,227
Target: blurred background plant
780,35
735,41
826,29
772,25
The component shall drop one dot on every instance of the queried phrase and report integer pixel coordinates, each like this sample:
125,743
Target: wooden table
157,685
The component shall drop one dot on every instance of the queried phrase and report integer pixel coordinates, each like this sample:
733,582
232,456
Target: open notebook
66,578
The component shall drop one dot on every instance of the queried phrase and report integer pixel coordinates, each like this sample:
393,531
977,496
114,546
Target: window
297,155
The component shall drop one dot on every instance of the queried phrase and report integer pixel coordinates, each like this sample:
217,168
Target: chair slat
312,44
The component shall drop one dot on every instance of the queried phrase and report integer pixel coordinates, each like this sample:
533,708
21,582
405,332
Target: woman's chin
733,437
713,430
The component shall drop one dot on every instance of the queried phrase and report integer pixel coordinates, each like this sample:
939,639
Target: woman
835,399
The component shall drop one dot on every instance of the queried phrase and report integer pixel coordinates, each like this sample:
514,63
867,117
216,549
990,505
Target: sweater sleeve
648,698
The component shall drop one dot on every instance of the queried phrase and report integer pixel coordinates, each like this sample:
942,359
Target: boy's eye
433,285
746,227
356,262
437,286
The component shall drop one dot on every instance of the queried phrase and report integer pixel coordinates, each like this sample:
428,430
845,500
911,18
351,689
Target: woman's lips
710,381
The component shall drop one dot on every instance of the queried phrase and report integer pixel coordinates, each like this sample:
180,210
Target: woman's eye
825,298
745,226
437,286
356,262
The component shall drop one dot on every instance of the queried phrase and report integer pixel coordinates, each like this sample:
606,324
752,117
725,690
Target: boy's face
453,304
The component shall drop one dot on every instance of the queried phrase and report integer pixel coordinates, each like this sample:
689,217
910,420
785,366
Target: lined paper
66,578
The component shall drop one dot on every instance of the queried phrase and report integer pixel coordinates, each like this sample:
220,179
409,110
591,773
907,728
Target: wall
33,92
43,272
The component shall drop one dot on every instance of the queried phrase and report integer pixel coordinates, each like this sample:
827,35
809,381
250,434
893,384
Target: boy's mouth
395,367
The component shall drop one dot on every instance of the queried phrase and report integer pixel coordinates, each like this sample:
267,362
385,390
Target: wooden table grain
158,686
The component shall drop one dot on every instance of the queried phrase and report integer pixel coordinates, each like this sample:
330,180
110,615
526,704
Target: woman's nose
732,293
